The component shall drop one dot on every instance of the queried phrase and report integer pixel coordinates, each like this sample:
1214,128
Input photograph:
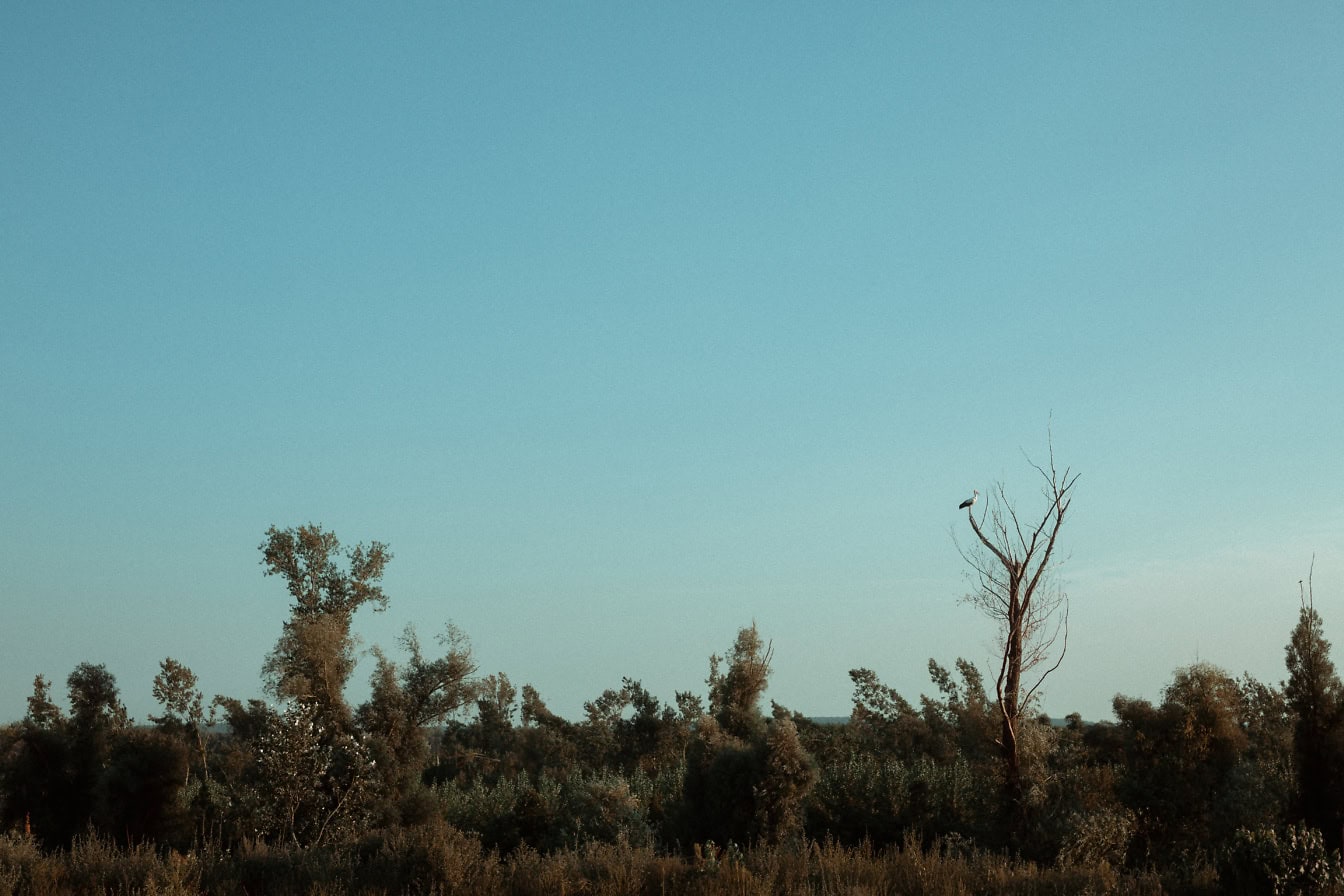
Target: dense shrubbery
443,782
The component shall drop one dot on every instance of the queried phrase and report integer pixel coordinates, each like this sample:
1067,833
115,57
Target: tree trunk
1010,692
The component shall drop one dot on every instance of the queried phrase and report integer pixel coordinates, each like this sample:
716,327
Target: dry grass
438,860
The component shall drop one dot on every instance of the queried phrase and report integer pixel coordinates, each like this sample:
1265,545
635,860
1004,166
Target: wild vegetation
448,781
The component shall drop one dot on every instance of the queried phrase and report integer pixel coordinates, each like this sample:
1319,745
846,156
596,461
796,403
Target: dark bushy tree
139,789
406,701
745,780
1316,698
1186,764
786,781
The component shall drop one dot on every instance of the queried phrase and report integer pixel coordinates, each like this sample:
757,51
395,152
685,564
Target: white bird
975,493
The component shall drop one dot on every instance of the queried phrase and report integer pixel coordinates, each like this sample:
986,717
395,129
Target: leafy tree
547,743
1269,782
42,711
964,721
1294,860
96,715
629,729
724,797
55,775
315,654
1187,764
1316,698
37,789
235,767
719,788
882,721
785,783
183,709
405,700
139,789
314,785
735,694
95,704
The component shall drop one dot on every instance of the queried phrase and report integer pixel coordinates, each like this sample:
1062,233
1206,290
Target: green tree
882,721
725,757
139,790
235,770
405,700
495,710
55,774
95,701
735,694
547,742
1316,698
963,722
629,729
37,790
96,715
314,784
183,709
42,711
1188,764
315,655
785,783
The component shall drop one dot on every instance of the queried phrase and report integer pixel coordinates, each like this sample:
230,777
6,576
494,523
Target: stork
975,493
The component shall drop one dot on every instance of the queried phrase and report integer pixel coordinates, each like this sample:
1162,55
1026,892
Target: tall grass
439,860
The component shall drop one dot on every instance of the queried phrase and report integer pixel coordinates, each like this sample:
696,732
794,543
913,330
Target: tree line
1224,782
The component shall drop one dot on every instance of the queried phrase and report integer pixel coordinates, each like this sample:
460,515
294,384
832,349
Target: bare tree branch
1011,564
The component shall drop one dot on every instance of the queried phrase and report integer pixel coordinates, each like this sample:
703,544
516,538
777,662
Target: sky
629,325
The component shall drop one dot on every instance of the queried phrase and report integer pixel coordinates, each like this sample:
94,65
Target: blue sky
626,326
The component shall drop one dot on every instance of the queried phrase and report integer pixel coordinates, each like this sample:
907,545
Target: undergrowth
439,860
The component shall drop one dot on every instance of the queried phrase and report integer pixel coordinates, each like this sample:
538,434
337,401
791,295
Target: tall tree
1012,561
95,701
316,652
786,780
1187,764
406,699
42,710
735,695
1316,698
183,709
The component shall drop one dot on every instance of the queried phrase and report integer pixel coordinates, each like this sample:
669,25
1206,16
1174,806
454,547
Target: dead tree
1011,564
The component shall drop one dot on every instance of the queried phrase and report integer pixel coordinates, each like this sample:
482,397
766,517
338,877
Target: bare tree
1012,561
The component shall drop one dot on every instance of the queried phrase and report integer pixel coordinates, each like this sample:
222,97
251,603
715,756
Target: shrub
1290,860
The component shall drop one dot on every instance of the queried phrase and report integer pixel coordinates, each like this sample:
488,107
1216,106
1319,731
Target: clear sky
628,324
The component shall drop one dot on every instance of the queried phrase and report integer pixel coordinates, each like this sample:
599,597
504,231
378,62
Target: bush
1287,861
551,814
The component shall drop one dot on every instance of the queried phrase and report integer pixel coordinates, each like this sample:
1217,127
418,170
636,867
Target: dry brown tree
1012,562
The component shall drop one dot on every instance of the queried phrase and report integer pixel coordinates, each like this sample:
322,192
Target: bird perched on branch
975,493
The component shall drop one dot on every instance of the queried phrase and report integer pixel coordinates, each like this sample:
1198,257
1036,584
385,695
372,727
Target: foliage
735,694
438,859
445,782
1289,860
314,657
551,813
1315,696
1187,763
315,779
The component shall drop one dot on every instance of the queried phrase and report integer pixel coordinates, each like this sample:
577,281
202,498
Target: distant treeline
445,780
